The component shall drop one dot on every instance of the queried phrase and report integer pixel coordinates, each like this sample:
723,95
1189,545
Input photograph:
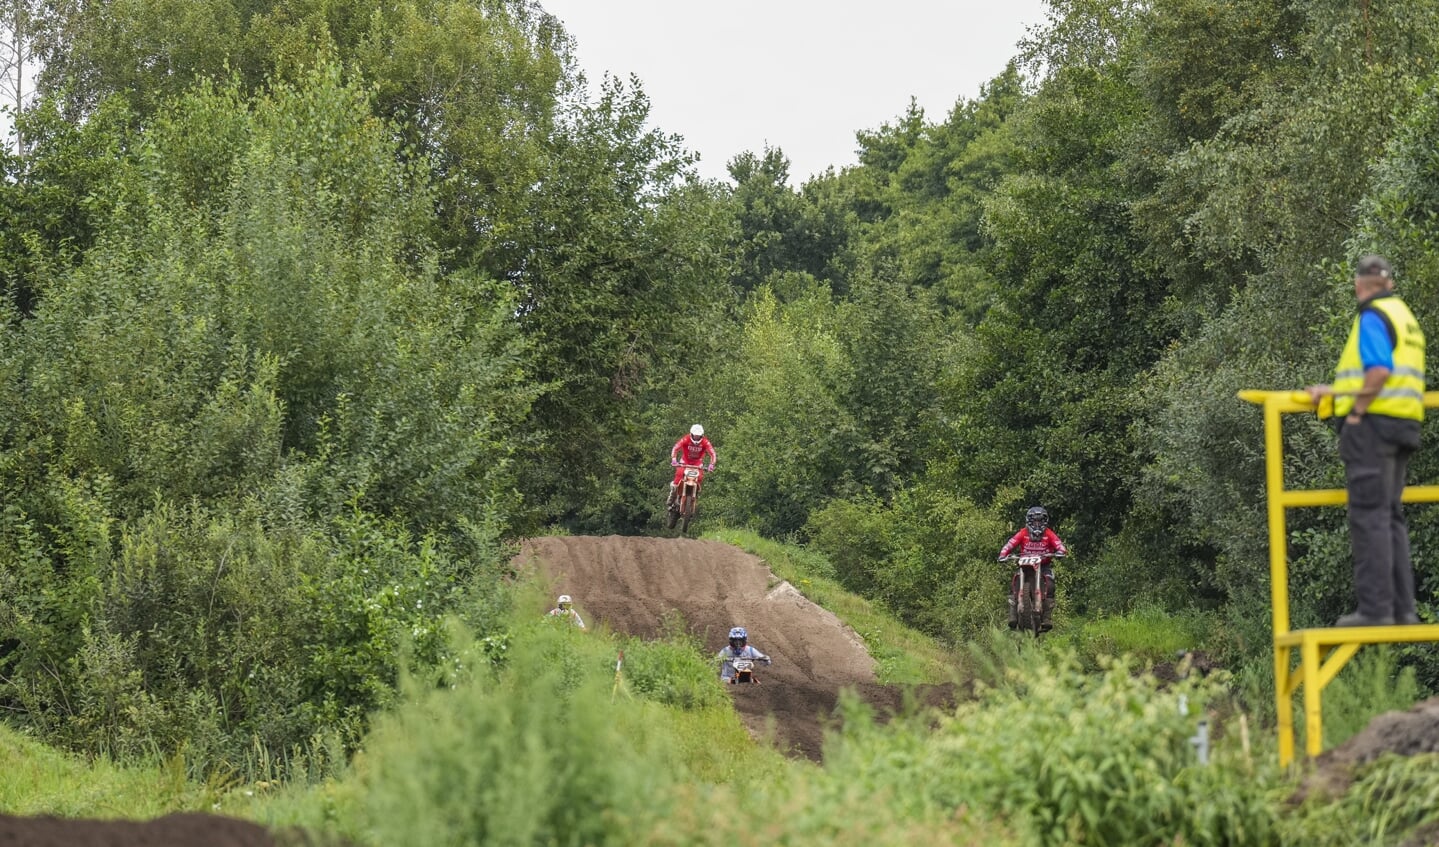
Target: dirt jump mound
179,830
1411,733
631,584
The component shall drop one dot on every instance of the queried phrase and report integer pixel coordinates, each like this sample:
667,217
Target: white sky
800,75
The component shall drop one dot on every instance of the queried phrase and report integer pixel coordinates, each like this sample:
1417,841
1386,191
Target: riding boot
1046,614
1013,615
670,501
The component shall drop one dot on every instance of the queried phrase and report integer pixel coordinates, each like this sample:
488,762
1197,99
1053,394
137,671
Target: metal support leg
1284,706
1313,722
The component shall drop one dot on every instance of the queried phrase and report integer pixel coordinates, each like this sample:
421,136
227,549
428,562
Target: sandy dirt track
631,583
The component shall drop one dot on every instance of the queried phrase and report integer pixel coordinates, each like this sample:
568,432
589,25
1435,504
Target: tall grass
666,670
536,753
39,779
549,750
1370,685
1148,633
1066,757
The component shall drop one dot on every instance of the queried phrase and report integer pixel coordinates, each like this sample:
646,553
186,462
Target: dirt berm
630,584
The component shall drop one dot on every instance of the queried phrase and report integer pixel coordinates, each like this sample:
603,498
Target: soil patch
1402,733
180,830
1188,662
630,584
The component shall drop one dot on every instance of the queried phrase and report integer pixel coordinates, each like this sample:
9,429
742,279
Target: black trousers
1376,455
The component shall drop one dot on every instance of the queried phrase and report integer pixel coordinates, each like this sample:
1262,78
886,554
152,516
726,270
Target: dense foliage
311,306
544,747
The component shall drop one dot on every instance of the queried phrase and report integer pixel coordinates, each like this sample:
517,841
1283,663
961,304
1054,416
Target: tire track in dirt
631,583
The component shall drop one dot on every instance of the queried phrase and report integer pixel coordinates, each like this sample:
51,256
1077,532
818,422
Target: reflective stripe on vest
1402,395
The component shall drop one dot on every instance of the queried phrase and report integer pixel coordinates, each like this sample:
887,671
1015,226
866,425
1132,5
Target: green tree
786,434
780,230
1272,197
250,421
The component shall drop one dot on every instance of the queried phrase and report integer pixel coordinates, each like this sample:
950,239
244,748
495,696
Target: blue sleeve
1375,349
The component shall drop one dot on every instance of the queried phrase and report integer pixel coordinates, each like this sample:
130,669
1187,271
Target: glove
674,464
709,469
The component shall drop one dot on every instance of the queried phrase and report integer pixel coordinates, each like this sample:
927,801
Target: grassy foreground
531,738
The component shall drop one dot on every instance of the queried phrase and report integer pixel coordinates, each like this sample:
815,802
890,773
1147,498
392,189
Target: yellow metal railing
1322,652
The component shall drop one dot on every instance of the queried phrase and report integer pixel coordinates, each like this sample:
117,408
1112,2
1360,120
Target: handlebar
1015,556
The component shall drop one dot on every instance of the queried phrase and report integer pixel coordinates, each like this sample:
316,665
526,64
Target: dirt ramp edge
630,583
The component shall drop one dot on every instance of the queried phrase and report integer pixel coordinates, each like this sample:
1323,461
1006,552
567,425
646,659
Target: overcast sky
800,75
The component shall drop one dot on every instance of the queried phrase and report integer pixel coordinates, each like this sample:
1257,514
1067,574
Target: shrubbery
928,555
673,670
1067,758
534,753
214,634
545,750
253,450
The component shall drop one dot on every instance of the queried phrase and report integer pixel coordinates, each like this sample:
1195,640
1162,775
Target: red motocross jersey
691,453
1047,545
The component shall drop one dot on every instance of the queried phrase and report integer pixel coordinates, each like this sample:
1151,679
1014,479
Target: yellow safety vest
1402,395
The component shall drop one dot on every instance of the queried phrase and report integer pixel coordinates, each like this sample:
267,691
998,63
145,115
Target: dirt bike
686,500
1026,591
743,671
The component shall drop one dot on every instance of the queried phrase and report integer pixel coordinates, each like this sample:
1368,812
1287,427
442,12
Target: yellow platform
1322,652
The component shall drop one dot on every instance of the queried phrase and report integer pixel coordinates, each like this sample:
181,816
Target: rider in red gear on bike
1036,539
690,452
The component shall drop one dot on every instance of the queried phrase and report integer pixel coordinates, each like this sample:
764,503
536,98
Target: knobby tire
687,513
1030,618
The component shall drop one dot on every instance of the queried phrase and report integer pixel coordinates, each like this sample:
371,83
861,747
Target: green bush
256,447
545,751
536,753
675,670
927,555
214,634
1069,758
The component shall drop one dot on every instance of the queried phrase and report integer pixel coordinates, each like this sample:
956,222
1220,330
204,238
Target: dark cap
1373,265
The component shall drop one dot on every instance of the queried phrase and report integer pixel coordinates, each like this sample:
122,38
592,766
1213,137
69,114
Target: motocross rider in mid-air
738,649
689,452
1035,539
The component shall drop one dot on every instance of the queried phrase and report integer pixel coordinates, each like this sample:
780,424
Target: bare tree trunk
17,51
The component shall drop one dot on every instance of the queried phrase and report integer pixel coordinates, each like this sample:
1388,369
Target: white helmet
697,431
564,598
